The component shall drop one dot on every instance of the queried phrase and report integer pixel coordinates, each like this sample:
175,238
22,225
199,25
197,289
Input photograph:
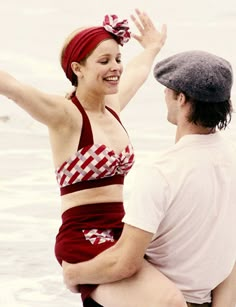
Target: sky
32,32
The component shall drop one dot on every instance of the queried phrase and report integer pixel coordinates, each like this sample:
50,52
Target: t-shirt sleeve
146,205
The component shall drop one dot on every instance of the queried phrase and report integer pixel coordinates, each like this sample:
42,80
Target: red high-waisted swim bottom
86,231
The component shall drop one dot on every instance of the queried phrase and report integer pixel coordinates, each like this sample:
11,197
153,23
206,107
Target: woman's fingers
142,21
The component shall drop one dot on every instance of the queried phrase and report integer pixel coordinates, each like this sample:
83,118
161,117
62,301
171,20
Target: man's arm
145,212
225,293
118,262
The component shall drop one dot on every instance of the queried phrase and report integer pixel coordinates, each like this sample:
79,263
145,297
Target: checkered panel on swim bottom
98,236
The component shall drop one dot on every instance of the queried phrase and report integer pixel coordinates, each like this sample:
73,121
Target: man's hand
69,278
120,261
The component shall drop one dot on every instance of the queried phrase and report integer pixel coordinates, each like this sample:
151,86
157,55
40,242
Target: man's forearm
120,261
104,268
225,293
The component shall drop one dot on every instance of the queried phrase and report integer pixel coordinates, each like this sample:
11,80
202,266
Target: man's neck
191,129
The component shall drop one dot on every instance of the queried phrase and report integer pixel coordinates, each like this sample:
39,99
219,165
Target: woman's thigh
148,288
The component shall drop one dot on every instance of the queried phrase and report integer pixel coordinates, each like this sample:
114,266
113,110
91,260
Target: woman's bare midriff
111,193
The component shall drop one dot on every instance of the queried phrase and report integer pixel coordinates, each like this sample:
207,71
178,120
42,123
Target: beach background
32,33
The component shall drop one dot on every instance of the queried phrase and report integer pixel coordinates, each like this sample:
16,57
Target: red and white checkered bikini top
93,165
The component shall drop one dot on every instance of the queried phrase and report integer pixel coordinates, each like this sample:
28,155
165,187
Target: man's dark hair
210,114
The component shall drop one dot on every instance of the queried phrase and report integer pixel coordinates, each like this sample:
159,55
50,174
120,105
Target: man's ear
76,68
182,99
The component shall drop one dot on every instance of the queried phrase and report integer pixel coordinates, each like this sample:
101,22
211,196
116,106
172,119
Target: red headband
87,40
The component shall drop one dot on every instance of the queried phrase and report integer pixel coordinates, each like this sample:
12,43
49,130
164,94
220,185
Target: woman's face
103,68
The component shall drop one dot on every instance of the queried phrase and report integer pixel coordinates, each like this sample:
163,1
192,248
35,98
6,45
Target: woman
91,181
90,147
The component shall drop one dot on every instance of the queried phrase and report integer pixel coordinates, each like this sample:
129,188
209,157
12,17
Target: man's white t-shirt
186,197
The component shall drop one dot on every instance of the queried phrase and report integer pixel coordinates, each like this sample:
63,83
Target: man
182,211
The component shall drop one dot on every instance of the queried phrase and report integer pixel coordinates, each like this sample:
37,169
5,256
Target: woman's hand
149,37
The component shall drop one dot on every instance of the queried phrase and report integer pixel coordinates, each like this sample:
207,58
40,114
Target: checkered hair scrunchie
118,28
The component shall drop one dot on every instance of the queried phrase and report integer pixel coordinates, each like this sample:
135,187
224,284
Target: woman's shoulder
65,112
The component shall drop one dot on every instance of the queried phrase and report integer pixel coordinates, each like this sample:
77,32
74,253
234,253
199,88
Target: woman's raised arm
137,70
47,109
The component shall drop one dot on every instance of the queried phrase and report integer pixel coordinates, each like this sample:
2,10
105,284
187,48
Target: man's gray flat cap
200,75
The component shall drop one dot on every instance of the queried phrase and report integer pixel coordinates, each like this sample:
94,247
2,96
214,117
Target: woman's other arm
47,109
